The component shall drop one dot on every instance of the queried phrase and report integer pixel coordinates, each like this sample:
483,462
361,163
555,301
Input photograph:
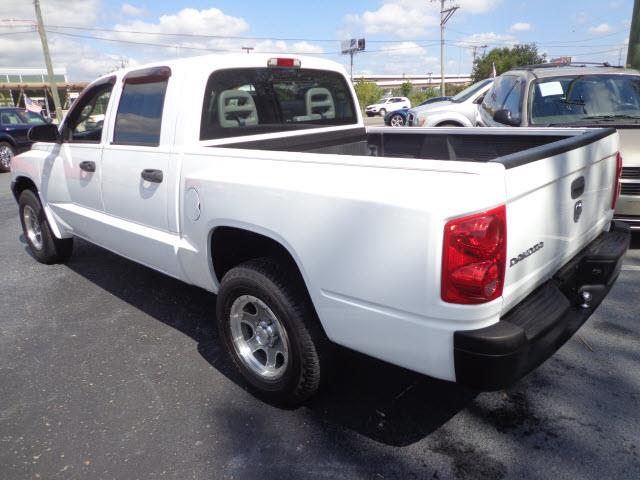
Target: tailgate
556,204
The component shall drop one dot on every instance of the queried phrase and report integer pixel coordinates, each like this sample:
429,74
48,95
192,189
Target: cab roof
551,70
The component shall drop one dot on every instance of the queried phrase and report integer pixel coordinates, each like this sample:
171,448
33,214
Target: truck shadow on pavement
385,403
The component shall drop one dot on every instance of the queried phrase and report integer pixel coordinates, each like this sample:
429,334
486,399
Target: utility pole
445,15
47,60
475,49
351,69
633,52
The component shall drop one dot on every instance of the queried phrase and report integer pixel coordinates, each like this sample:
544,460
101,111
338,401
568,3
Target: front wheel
44,246
396,120
7,152
271,331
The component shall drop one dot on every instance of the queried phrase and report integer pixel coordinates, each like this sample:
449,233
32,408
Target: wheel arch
231,245
449,123
252,242
9,139
22,183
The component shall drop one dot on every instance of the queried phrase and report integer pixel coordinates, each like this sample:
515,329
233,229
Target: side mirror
45,133
505,117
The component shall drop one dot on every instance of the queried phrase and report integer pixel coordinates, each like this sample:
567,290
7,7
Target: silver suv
571,95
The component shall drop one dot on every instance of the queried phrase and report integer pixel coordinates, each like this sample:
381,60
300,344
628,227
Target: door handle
152,175
88,166
577,187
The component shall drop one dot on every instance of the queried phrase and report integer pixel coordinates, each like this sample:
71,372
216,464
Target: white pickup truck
470,255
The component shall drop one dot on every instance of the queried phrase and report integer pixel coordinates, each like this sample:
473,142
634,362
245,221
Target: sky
93,37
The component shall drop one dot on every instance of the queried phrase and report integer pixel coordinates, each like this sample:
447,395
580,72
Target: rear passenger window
139,117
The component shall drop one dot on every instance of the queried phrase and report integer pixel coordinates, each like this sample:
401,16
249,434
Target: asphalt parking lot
110,370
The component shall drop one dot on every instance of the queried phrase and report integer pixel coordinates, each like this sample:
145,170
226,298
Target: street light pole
633,52
47,59
445,15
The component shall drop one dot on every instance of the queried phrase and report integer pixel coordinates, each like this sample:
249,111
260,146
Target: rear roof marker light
284,62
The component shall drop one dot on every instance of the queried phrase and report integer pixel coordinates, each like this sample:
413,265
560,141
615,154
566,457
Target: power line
32,30
221,37
211,49
565,41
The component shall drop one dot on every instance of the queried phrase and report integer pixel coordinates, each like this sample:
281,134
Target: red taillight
616,181
474,257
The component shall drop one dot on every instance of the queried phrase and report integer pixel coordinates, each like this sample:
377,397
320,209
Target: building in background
15,83
420,82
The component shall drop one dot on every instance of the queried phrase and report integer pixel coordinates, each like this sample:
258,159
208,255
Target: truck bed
508,147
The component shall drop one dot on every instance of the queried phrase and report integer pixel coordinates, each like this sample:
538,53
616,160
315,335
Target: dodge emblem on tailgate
526,253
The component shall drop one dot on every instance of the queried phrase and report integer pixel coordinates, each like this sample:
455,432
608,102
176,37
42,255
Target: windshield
16,117
383,100
577,98
251,101
469,91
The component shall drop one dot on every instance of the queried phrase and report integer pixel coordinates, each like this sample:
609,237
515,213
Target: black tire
7,152
50,249
396,116
449,124
382,112
283,291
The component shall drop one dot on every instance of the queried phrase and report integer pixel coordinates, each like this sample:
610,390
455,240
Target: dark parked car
14,128
398,118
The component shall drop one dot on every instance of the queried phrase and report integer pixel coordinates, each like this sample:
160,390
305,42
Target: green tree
406,88
419,96
456,88
367,92
505,58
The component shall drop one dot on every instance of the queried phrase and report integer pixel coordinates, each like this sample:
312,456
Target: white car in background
459,111
387,104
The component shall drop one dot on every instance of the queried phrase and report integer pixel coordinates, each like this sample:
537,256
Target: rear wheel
449,124
7,152
396,120
271,331
44,246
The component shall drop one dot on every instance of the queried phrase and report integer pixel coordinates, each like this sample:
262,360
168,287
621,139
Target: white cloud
304,48
602,28
400,17
85,62
490,39
132,11
477,6
25,51
520,27
188,21
406,18
55,12
404,49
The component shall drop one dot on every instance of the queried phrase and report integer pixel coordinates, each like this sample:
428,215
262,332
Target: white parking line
632,268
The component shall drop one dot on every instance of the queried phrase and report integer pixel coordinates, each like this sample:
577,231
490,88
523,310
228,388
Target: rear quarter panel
366,233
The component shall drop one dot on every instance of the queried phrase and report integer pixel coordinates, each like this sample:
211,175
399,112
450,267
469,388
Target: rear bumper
628,207
632,220
496,356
